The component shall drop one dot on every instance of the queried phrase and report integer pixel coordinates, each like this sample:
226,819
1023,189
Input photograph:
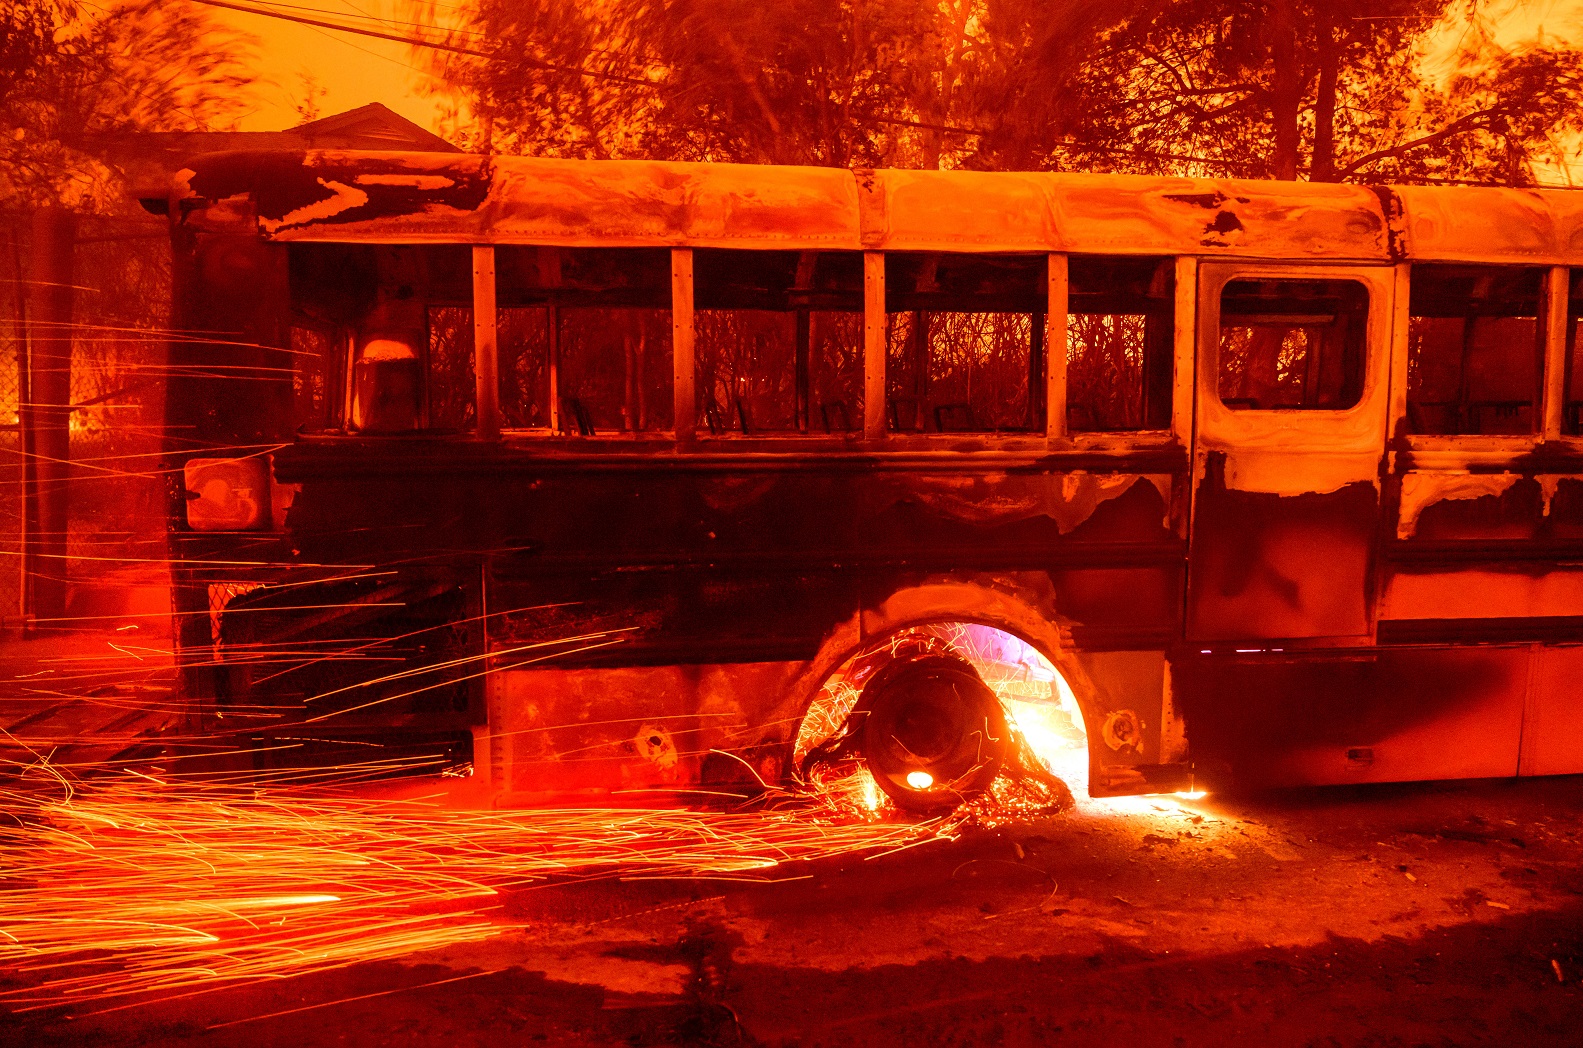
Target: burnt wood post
46,413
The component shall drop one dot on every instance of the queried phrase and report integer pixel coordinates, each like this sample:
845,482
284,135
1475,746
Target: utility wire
359,15
420,42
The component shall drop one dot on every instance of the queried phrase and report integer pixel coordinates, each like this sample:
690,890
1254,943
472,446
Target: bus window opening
1119,343
966,341
405,314
584,338
779,341
314,356
1292,344
1475,349
452,388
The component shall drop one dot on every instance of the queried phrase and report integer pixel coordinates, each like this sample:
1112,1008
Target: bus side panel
411,497
1484,556
1481,600
656,614
636,728
1553,723
698,564
1272,566
1129,753
1389,715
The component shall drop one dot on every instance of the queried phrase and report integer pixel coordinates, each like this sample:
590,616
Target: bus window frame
486,350
1553,383
1178,430
1356,433
1487,448
486,345
721,434
338,361
872,432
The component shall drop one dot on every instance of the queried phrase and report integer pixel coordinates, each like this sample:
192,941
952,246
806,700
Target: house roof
369,127
150,159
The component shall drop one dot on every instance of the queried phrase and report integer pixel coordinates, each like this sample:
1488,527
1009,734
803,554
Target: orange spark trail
137,888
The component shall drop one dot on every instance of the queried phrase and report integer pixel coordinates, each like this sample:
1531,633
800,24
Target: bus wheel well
1003,645
1014,611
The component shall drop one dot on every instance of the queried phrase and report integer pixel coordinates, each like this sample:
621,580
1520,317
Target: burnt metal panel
1388,715
1110,214
416,496
1273,566
1513,508
570,731
1471,588
1553,721
293,189
1125,708
378,648
1519,226
1480,630
416,196
438,197
1484,540
715,562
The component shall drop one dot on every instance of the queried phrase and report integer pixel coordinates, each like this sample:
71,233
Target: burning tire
931,731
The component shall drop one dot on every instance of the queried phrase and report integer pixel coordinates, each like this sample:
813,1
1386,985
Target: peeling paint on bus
437,197
1424,488
1069,499
1550,485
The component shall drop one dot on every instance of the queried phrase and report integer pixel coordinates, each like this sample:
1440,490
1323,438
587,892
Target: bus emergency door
1289,431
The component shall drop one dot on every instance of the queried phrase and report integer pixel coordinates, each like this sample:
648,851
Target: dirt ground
1444,914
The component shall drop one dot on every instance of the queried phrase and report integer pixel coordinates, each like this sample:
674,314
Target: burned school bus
595,472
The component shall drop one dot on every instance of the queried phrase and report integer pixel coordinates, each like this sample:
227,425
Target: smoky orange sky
355,70
352,70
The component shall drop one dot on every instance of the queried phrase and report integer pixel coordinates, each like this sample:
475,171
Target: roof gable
373,126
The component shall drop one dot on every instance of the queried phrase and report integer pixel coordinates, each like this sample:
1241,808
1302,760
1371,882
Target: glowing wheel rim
934,735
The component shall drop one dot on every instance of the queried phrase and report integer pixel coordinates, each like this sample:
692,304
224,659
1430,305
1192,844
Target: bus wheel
933,734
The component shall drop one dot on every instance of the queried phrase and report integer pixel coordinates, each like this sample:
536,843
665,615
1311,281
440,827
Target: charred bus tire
934,735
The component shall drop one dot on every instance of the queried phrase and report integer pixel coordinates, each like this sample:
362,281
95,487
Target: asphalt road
1447,914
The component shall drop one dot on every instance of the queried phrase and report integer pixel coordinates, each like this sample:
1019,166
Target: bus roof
409,198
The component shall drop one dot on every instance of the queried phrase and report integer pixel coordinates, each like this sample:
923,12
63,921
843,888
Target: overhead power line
417,41
360,16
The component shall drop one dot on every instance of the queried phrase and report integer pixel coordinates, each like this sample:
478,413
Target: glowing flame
920,780
871,798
